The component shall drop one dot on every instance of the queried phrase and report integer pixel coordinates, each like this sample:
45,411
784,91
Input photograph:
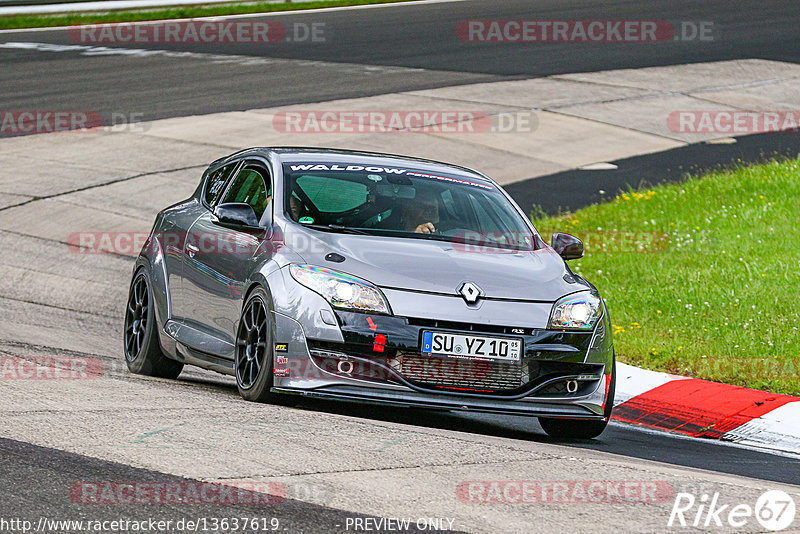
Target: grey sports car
372,278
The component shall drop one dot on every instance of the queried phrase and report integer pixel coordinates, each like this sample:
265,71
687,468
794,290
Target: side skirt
191,356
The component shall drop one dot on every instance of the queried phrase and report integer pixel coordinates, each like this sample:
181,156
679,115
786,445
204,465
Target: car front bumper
378,360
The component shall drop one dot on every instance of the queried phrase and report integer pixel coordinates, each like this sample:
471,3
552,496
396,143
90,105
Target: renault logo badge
470,292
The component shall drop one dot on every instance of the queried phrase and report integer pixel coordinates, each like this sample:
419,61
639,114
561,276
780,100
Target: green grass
701,278
12,22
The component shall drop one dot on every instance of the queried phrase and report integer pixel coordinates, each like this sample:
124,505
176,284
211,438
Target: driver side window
251,186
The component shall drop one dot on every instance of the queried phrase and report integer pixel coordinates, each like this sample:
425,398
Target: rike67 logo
774,511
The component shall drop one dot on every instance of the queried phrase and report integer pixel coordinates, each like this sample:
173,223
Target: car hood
437,266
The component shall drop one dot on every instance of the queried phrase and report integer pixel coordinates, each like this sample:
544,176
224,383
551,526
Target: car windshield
401,202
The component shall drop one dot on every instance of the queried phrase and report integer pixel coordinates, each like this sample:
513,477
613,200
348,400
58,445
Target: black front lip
435,401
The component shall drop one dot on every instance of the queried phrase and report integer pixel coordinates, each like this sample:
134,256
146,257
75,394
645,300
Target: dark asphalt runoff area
52,486
394,40
589,187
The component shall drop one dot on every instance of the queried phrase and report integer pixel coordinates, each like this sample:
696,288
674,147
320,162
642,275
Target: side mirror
568,246
236,215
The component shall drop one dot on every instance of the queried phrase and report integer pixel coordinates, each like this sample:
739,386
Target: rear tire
254,351
140,338
580,429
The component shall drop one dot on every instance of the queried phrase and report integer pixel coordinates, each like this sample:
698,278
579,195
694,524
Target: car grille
458,373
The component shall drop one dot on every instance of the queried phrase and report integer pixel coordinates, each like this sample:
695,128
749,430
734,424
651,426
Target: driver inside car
420,216
297,208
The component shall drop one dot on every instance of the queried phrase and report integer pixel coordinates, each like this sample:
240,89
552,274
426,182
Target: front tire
140,338
578,429
254,351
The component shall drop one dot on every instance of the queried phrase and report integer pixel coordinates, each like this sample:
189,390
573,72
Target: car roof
332,155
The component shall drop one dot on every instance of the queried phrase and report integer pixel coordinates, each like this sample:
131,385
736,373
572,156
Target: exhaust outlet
572,386
345,367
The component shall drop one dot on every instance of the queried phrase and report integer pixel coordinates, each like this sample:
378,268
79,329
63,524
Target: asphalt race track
400,37
336,462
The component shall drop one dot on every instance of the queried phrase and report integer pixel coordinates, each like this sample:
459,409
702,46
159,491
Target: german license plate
467,346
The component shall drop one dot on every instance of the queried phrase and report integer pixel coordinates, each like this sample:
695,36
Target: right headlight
579,311
340,289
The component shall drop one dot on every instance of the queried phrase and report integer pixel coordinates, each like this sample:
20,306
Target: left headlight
340,289
576,312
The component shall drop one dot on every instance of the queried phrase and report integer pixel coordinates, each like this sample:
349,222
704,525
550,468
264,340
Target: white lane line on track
252,15
711,442
84,50
778,429
101,5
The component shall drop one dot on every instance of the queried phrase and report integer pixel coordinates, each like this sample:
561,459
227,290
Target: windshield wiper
346,229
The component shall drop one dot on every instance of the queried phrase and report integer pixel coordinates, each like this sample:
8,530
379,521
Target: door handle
191,250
